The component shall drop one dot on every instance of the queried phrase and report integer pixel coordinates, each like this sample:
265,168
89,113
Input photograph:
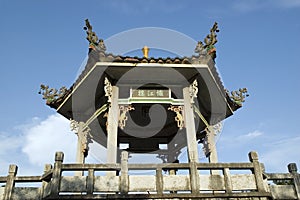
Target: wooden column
112,128
83,134
213,156
80,152
211,146
192,145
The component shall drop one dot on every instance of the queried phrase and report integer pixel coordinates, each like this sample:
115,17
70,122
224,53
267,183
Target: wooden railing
221,180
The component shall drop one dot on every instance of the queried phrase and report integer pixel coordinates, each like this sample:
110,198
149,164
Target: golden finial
145,50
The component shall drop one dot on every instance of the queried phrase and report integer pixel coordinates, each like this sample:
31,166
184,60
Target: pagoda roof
86,100
200,66
96,56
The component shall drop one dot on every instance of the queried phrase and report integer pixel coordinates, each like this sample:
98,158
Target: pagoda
146,105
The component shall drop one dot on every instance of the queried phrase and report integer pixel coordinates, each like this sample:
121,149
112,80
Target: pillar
192,145
80,154
112,128
83,133
213,156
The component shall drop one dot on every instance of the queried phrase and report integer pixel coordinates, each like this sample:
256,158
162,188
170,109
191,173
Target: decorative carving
217,127
83,133
209,41
200,48
106,116
208,142
74,125
238,96
101,46
93,38
193,90
108,89
179,115
52,94
108,94
124,109
145,50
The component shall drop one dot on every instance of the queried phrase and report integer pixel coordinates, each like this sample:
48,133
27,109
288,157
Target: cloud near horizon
46,138
253,5
34,143
37,141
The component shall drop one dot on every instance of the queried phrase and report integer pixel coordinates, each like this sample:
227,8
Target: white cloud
41,141
37,141
253,134
33,144
10,145
248,5
253,5
289,3
275,150
279,154
246,137
141,7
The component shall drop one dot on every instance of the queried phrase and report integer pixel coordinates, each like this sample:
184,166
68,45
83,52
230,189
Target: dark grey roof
99,56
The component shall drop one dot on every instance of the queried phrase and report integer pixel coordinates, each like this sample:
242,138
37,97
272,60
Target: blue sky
258,48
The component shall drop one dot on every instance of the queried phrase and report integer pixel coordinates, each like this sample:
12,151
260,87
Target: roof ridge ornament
145,50
209,40
95,42
238,96
52,94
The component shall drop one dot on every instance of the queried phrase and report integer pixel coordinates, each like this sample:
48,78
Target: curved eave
152,71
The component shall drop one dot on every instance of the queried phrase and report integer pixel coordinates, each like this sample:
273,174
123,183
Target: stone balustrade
187,181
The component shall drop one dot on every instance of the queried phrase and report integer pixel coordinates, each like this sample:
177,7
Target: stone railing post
44,189
227,180
292,167
90,182
253,157
55,182
194,178
124,185
10,182
159,181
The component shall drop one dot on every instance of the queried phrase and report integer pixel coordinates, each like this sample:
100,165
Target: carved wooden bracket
52,94
108,89
193,91
83,133
124,109
179,115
